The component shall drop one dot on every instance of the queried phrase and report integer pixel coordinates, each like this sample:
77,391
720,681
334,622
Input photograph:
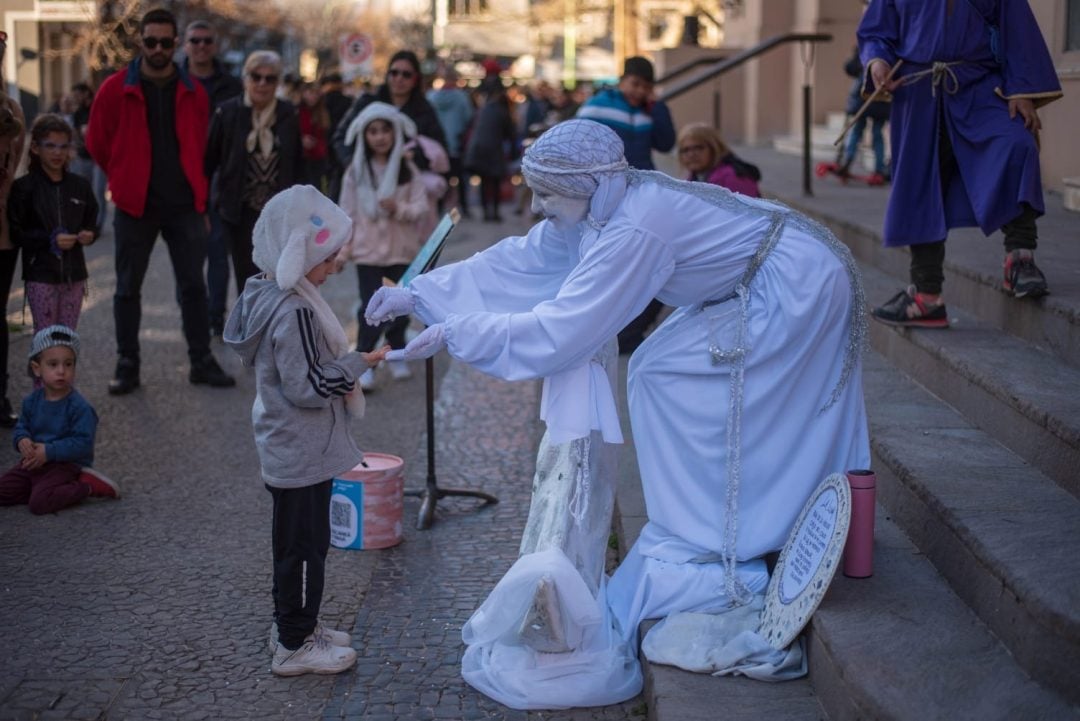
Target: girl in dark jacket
253,153
404,89
53,214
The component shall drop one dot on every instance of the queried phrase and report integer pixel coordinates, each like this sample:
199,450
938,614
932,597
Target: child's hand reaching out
376,356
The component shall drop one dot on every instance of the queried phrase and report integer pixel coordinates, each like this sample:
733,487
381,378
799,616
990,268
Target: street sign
356,50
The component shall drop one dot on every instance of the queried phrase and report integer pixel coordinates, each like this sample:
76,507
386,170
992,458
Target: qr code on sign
340,515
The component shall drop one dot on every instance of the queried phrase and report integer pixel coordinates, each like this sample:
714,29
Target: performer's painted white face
564,212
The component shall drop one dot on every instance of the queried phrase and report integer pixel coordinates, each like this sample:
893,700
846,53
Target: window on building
658,25
468,7
1072,30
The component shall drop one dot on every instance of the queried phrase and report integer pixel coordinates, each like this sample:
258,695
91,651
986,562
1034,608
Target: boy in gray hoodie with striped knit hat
305,377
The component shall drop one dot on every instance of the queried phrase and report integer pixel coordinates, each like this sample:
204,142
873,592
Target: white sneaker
317,655
367,380
332,635
399,370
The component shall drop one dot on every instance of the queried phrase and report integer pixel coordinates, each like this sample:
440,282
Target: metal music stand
431,493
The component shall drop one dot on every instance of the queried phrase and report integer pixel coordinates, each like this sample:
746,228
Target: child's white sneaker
332,635
317,655
367,380
399,370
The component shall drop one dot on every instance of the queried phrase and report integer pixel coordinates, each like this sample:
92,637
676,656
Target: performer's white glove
425,345
388,303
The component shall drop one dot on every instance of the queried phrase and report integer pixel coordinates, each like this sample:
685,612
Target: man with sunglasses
148,130
200,47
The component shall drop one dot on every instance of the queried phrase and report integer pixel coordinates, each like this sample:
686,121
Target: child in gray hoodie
305,377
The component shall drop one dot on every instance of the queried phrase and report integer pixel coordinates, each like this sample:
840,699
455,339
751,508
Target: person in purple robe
964,136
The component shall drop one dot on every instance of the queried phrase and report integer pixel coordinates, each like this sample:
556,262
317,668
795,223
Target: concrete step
901,645
973,277
1002,534
676,695
822,148
1025,398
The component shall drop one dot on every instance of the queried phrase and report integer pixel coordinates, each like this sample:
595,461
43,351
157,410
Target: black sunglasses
201,41
151,43
407,74
260,78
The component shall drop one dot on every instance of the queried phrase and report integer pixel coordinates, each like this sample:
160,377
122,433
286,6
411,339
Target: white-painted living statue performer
741,402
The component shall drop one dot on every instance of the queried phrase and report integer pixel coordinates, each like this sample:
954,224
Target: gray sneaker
332,635
317,655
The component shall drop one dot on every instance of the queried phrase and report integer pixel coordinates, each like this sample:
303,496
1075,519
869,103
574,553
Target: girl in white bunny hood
305,378
384,194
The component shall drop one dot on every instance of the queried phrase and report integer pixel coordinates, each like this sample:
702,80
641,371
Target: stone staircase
974,607
973,611
822,138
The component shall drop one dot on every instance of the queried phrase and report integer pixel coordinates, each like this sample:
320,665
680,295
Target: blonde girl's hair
707,136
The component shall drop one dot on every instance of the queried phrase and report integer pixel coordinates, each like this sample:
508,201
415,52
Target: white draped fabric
739,408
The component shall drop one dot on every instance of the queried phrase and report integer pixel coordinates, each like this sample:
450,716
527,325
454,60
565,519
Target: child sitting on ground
305,378
55,433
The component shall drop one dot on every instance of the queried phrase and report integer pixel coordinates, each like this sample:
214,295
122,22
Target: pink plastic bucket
366,504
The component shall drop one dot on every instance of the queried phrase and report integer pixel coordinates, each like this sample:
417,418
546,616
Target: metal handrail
689,65
736,60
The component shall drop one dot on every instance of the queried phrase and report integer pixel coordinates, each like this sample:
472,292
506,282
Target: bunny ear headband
298,229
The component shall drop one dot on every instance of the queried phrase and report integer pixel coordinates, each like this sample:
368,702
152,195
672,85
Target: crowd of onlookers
192,153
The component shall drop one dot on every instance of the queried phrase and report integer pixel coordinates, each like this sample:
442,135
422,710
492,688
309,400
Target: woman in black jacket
253,153
53,214
404,89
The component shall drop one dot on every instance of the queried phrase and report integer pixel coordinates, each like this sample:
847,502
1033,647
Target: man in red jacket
148,129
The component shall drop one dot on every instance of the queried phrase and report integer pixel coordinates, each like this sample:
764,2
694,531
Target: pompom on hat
298,229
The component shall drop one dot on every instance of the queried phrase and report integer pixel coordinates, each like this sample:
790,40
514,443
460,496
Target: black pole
807,190
432,493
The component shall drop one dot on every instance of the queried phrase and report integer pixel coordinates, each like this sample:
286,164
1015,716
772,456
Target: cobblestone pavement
157,606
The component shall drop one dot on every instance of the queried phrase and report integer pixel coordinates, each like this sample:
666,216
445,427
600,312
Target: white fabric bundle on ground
600,670
723,644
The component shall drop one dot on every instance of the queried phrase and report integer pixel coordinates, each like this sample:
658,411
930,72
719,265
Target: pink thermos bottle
859,549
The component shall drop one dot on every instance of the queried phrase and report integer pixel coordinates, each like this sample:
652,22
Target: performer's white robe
763,388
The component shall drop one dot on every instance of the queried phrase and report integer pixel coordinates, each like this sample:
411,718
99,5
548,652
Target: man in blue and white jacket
642,123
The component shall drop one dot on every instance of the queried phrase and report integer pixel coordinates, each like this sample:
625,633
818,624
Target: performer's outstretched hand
425,345
388,303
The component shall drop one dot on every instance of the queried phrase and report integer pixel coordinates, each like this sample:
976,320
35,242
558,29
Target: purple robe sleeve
1029,70
879,36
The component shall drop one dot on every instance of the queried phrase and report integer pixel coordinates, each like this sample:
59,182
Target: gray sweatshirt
301,429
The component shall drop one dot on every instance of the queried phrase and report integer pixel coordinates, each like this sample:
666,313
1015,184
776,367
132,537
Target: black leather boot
8,416
208,372
126,378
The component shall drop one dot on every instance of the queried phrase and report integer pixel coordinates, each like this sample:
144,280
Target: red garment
119,140
48,489
724,176
309,127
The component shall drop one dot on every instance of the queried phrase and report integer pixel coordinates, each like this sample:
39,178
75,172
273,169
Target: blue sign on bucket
347,514
366,504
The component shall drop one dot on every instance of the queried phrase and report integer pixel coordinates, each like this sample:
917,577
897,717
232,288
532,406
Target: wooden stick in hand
876,95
